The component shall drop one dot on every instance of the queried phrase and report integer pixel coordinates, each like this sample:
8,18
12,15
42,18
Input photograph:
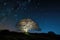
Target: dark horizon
8,35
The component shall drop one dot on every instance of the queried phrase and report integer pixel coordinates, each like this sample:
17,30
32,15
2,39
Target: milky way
13,10
45,12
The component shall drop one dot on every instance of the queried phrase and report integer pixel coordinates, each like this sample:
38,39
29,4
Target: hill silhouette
10,35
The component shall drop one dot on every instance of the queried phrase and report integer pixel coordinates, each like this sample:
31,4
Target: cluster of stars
14,8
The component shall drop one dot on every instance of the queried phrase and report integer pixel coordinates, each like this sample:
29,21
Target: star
3,14
29,0
15,15
12,8
38,4
5,3
36,7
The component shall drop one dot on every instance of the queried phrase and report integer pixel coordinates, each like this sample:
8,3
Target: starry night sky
45,13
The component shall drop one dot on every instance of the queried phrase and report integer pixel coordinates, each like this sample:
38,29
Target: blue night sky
45,13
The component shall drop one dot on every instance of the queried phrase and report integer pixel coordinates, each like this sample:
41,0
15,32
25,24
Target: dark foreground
7,35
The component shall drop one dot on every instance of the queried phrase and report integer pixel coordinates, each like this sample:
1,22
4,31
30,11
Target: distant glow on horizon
27,24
